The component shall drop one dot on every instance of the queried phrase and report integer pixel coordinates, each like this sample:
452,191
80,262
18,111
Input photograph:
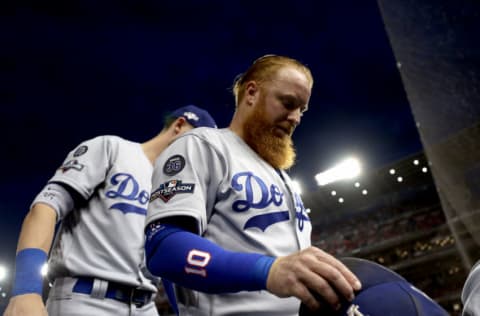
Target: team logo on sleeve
80,151
174,165
169,189
71,164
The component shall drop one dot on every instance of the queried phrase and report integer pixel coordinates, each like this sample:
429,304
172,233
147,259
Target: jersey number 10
197,260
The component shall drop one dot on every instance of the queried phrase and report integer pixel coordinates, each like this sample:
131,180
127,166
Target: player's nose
295,116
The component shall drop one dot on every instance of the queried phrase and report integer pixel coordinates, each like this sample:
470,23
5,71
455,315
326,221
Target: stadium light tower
347,169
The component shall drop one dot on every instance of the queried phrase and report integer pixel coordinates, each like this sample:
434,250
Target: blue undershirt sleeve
194,262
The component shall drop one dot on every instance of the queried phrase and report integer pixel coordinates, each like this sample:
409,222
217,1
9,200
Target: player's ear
178,124
251,92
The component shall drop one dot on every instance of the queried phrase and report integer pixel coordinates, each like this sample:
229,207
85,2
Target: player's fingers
304,294
330,277
314,269
322,289
351,278
285,277
295,274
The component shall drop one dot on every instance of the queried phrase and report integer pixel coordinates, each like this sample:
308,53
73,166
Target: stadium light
416,162
424,169
3,272
364,192
333,193
347,169
341,200
400,179
357,184
392,171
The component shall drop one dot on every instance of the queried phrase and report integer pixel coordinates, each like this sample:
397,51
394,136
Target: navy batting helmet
383,292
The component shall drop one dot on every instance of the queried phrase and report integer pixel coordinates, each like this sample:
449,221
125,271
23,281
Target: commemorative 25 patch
169,189
174,165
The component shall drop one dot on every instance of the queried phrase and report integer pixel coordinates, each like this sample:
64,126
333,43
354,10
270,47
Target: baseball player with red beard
224,222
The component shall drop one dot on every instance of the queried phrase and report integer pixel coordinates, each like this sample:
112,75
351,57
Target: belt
121,292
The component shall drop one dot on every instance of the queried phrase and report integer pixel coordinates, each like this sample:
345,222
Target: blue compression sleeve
196,263
28,277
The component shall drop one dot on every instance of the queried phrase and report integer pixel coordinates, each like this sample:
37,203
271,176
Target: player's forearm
32,249
194,262
38,228
36,238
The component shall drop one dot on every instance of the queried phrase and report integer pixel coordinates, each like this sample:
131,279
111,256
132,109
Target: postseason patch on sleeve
71,164
171,188
174,165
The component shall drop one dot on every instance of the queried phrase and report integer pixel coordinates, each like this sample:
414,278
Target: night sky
73,70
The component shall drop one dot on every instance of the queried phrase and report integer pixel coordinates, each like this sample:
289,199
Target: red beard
272,142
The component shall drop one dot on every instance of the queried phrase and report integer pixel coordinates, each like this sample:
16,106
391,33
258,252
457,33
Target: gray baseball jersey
239,202
104,237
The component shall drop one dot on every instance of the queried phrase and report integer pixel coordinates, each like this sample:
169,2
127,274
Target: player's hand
316,270
26,305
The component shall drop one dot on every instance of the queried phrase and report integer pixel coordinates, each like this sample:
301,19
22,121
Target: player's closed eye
288,102
291,103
